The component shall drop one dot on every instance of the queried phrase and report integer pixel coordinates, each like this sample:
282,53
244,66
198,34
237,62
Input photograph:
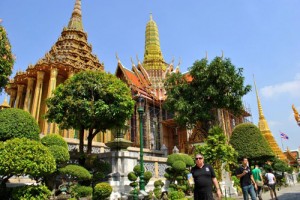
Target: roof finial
132,63
75,21
206,55
117,57
179,62
222,56
151,16
138,59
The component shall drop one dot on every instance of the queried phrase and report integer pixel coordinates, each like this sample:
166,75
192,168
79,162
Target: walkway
284,193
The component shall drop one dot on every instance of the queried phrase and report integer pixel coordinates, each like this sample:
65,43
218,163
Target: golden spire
153,58
75,21
260,111
4,104
265,130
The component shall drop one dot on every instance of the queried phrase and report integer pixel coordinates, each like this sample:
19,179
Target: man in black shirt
204,178
245,175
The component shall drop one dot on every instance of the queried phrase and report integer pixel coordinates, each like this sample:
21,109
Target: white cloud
291,88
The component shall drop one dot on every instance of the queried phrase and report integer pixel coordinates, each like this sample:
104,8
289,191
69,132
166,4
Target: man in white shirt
271,183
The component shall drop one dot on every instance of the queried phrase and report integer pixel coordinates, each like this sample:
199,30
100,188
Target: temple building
72,53
146,79
265,130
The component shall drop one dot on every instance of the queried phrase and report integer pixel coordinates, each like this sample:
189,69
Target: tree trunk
90,140
81,159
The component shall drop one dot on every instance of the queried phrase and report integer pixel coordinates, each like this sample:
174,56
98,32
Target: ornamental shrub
76,172
102,191
25,157
81,191
31,192
17,123
54,139
177,172
60,154
249,142
176,195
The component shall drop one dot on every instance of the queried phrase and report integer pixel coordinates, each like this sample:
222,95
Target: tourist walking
246,179
257,175
271,180
204,179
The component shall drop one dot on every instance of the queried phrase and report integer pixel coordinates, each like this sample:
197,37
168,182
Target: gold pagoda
265,130
70,54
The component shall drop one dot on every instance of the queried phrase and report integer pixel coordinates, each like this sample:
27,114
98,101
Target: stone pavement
285,193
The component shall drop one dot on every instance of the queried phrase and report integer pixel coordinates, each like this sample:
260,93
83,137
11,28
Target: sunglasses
200,158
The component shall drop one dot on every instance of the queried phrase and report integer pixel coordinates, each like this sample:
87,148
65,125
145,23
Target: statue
296,115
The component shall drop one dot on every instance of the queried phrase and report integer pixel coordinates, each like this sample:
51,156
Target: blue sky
263,37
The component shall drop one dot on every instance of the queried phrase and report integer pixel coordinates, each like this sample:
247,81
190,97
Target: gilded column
37,95
12,98
28,97
49,127
19,96
70,74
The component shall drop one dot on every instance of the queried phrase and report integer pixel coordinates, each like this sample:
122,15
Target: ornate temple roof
71,52
265,130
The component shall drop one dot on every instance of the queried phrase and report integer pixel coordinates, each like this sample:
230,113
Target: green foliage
177,171
131,176
31,192
25,157
176,195
54,139
180,156
249,142
179,166
98,168
157,188
217,84
60,154
217,151
81,191
102,191
76,172
17,123
90,100
6,58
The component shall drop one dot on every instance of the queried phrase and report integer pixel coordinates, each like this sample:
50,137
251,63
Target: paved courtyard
284,193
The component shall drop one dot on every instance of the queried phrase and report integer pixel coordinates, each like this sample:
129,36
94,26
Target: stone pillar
19,96
12,99
37,95
28,97
49,127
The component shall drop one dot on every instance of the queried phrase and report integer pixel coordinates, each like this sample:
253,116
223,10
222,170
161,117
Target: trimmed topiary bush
60,154
54,139
81,191
177,171
76,172
17,123
25,157
249,142
31,192
102,191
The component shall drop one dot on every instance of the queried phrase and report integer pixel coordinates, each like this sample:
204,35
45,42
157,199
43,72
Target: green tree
25,157
209,86
249,142
90,100
17,123
6,58
217,151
